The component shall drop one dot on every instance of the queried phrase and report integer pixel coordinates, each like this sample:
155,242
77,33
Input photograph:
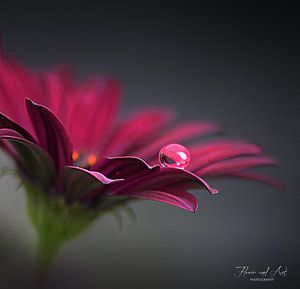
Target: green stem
55,222
47,251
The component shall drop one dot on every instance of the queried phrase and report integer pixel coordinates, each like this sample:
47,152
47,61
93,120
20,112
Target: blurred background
238,65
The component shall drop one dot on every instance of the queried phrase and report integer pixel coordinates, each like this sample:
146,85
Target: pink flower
67,140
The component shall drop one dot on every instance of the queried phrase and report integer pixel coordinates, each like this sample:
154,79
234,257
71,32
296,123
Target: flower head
67,140
77,158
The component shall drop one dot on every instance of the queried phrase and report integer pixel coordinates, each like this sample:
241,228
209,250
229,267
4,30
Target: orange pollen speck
75,155
91,159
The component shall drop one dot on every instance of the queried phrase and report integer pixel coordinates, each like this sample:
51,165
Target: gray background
236,65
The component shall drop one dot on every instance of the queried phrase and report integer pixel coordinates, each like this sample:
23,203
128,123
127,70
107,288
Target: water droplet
174,156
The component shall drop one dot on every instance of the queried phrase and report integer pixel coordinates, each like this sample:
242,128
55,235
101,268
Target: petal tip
214,191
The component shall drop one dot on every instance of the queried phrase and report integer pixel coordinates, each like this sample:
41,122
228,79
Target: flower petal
51,134
123,167
95,105
6,133
82,184
33,163
258,177
5,122
176,178
16,83
205,154
139,176
235,165
133,170
136,131
177,134
57,88
181,199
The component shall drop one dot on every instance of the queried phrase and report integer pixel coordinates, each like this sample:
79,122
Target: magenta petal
178,134
188,180
6,133
123,167
182,179
170,191
139,176
137,131
104,118
205,154
56,91
96,175
5,122
82,184
235,165
95,104
182,200
261,178
34,164
16,83
51,133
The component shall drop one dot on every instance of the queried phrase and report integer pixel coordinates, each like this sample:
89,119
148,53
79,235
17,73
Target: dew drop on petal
174,156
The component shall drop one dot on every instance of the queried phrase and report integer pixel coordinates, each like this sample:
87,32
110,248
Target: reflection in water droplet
174,156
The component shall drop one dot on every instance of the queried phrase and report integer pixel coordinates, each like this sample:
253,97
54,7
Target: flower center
174,156
86,160
75,156
91,159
